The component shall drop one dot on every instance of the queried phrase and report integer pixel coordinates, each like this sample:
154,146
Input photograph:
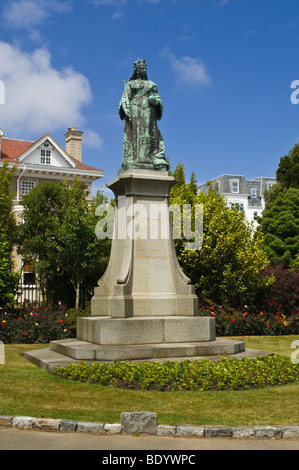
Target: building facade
40,161
241,194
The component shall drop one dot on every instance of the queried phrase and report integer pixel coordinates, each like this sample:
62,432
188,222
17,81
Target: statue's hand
152,101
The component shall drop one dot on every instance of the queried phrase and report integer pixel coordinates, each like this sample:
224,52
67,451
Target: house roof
12,149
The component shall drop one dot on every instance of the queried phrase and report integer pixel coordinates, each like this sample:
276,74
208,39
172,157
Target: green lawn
28,391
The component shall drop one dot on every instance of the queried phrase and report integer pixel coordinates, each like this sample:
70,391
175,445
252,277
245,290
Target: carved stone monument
144,307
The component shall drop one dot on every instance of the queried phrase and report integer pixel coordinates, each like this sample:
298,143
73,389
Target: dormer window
45,157
234,186
253,193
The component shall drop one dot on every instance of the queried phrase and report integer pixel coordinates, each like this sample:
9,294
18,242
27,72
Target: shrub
33,324
285,289
274,320
199,375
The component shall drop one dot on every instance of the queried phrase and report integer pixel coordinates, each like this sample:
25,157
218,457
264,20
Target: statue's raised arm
141,107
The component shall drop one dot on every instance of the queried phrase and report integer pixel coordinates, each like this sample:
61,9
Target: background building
39,162
244,195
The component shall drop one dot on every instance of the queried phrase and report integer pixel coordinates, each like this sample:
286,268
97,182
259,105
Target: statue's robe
143,146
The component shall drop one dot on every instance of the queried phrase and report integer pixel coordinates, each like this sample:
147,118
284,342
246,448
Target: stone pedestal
144,307
143,277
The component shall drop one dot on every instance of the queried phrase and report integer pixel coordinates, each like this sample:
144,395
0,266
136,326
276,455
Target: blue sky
224,70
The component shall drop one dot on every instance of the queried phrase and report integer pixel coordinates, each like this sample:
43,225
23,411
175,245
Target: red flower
25,333
60,321
233,319
279,306
203,307
213,314
3,322
19,319
212,308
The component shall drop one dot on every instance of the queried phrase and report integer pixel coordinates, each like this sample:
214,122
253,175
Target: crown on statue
139,62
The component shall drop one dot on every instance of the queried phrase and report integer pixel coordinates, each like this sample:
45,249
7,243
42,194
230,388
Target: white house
242,194
41,161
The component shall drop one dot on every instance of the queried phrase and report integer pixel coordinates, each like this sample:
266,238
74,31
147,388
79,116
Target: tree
287,173
38,235
78,244
8,278
280,226
231,264
280,219
58,236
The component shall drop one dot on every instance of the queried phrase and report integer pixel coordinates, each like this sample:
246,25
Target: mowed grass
26,390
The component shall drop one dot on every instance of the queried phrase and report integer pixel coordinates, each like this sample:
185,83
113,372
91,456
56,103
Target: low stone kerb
139,422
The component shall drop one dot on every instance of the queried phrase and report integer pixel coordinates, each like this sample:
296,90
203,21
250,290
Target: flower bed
200,375
274,320
33,324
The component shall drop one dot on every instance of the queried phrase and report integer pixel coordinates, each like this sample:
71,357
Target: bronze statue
141,107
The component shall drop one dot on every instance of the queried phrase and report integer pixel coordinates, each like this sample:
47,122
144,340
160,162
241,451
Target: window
253,193
255,215
45,158
28,274
27,186
238,206
234,186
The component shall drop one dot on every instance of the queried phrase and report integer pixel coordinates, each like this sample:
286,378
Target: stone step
48,359
83,350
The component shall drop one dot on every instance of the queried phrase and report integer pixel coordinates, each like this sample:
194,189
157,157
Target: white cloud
118,7
38,97
92,139
24,14
189,70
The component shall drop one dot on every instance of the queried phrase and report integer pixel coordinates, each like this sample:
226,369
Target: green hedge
226,374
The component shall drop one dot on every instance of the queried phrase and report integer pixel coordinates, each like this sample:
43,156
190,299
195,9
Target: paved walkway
20,439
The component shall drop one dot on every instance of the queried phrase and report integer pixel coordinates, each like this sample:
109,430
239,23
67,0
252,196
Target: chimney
73,143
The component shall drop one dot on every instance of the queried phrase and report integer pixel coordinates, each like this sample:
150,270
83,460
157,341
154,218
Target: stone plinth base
145,330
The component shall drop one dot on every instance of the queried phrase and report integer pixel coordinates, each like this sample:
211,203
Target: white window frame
46,156
27,186
232,186
253,193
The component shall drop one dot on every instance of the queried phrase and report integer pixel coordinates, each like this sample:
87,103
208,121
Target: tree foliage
8,278
58,236
230,266
287,173
280,219
280,226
